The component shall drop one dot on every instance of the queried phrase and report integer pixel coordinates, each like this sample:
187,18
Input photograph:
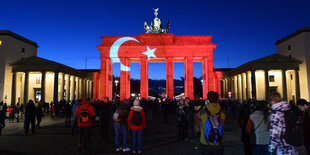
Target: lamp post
116,83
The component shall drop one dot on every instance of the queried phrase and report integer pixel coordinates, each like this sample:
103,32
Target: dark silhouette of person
39,115
30,115
105,117
68,112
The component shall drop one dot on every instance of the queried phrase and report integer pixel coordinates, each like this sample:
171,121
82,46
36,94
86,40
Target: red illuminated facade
169,48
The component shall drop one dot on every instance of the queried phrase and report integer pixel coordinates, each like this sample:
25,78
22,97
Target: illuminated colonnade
39,79
258,78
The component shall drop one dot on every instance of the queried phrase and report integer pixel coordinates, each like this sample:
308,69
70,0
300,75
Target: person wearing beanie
136,122
84,112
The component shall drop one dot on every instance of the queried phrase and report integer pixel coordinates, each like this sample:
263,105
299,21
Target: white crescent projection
114,51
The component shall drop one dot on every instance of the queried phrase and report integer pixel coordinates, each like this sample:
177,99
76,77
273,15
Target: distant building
287,72
12,47
24,76
297,45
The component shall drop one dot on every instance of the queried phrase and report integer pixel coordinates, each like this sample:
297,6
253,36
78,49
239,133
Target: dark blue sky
68,31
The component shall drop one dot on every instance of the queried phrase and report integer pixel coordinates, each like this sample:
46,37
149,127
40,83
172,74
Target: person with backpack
181,120
84,112
258,124
136,122
120,118
212,117
279,128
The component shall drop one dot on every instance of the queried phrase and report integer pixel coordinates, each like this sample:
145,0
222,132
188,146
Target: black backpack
293,127
84,117
136,118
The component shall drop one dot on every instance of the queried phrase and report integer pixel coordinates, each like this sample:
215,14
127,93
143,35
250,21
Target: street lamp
116,83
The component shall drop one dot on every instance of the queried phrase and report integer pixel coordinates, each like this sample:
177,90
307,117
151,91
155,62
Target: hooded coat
214,108
91,112
142,114
277,144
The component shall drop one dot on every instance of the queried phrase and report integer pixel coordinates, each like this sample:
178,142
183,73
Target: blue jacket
74,108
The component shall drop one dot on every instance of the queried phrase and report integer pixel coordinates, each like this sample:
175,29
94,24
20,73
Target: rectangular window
271,78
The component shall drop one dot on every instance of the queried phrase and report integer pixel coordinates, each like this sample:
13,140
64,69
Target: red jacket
91,112
142,114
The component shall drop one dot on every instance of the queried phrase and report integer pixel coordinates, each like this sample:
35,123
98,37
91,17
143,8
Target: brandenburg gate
157,46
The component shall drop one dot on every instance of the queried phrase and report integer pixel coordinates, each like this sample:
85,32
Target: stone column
77,88
205,83
297,85
43,86
237,86
266,84
241,85
246,86
26,88
169,78
74,88
253,83
284,86
62,86
211,73
95,88
125,81
144,78
106,78
56,87
86,88
13,95
189,79
67,87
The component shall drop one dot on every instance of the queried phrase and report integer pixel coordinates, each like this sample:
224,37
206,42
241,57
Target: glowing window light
0,42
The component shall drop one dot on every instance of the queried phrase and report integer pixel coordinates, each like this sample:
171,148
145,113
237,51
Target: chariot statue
156,26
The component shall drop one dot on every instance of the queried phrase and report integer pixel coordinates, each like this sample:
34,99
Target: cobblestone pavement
158,138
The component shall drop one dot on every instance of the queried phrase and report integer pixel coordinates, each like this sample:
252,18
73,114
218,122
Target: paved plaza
158,138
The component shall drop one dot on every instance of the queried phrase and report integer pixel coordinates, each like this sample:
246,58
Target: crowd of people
274,127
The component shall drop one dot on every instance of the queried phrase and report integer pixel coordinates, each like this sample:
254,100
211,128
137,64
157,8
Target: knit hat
136,102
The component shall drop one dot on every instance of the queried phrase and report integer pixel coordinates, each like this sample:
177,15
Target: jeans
136,133
260,149
210,150
120,129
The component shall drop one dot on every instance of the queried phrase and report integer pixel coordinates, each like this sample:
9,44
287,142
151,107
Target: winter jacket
257,122
91,112
277,144
74,108
30,111
142,114
214,108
